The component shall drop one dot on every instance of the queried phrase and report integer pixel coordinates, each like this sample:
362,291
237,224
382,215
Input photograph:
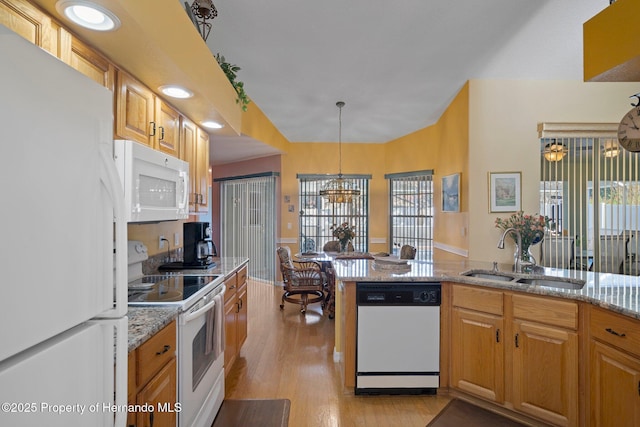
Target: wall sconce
203,10
611,148
554,151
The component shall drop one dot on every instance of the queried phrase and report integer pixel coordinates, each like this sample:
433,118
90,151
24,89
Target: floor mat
253,413
460,413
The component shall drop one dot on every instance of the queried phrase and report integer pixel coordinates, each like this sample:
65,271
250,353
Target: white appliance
63,324
155,184
200,332
398,338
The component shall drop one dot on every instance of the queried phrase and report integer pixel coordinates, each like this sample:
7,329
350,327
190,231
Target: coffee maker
198,246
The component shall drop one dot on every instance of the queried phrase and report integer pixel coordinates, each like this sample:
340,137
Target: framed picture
504,191
451,193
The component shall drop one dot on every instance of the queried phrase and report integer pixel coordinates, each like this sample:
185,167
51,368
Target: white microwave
155,184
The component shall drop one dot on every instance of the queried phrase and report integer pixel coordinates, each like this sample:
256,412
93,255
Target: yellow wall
611,48
149,234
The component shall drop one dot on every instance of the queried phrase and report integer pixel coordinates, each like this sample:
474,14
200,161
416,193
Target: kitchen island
544,352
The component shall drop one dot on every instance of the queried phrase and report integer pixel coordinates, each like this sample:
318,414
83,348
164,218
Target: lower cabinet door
477,352
160,392
545,372
615,387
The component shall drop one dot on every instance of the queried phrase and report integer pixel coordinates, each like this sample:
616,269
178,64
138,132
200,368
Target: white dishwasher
398,337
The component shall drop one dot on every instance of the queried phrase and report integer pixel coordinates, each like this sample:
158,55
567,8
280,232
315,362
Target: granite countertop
615,292
146,321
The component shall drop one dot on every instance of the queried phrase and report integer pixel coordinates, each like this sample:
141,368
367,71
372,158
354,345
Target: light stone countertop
615,292
146,321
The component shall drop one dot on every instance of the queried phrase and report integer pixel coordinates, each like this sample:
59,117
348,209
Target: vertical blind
411,212
248,223
592,198
317,215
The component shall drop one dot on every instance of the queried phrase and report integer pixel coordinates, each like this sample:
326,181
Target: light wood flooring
290,356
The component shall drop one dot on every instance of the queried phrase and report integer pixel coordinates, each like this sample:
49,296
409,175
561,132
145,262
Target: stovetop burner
168,288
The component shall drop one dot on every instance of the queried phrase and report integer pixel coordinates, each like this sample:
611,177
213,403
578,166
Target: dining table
325,259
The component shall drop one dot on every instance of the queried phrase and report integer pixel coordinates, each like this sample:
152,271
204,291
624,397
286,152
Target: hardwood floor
290,356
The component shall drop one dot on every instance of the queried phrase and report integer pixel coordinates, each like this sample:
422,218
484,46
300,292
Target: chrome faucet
517,264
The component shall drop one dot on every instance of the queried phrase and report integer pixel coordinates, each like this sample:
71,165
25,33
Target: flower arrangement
531,227
343,232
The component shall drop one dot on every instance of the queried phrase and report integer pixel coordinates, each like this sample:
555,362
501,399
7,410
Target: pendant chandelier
339,190
554,151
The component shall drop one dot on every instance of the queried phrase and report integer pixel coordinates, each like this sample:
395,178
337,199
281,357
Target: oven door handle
201,311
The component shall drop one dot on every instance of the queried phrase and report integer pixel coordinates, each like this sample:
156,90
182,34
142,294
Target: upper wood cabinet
28,21
86,60
143,117
195,150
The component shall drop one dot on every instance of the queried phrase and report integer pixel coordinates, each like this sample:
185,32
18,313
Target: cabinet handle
166,348
153,128
150,419
241,303
237,307
517,344
498,335
161,133
612,332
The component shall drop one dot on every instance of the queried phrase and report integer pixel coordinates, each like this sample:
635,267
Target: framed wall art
451,193
504,191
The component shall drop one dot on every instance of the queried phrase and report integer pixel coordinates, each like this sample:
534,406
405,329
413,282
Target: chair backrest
284,255
557,251
408,252
302,279
613,250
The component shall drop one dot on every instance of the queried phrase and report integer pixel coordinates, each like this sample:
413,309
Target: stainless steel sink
553,282
489,275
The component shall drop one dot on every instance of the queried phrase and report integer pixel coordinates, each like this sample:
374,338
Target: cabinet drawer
242,275
156,352
478,299
546,310
620,331
231,283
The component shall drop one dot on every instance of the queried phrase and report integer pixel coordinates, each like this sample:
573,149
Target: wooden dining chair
408,252
303,286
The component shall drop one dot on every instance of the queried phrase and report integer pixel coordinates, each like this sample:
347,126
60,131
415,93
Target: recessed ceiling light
88,15
212,125
176,91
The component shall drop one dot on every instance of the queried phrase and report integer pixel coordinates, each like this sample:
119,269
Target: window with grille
317,215
591,194
411,212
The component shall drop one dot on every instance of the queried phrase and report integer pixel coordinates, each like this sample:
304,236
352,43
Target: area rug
459,413
253,413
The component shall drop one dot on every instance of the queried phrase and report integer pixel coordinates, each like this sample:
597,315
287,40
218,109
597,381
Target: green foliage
230,71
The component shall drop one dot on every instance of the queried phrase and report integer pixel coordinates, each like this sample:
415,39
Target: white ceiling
396,65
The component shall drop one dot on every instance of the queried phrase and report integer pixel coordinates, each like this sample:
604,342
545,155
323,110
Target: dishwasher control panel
398,293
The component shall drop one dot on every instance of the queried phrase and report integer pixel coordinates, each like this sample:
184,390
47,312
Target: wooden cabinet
153,380
86,60
143,117
29,22
235,309
517,350
615,370
545,359
477,342
195,151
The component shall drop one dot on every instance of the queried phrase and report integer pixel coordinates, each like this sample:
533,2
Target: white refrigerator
63,325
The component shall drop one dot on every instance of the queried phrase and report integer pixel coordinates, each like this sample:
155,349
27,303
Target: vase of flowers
531,228
344,233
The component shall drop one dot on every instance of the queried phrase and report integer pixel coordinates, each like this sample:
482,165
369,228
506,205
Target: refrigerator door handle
114,188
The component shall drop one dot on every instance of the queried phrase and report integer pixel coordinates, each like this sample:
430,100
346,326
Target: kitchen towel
214,341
